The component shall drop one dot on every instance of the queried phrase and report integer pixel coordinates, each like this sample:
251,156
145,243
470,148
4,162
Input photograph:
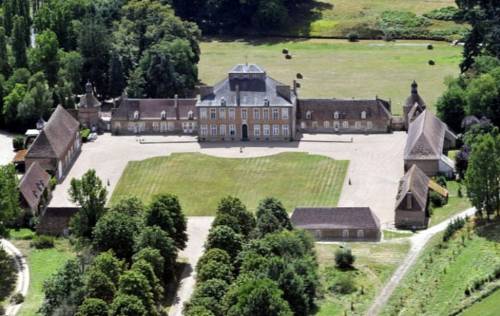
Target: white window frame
163,127
363,115
345,233
276,114
213,114
204,130
203,113
369,124
266,130
244,114
256,130
232,114
336,115
265,114
222,130
213,130
284,113
326,124
357,125
285,130
156,126
276,130
232,130
190,115
256,114
345,124
222,114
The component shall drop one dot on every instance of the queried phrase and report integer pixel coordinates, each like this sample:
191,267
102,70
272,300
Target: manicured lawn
437,282
490,306
455,204
339,69
395,234
42,264
338,18
200,181
375,263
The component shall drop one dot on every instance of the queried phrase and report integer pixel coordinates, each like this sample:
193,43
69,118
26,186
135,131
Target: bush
403,24
344,258
343,285
353,37
444,14
18,143
436,199
84,134
42,242
453,227
17,298
52,183
431,62
430,47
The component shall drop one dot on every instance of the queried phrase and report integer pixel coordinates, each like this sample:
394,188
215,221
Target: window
285,130
156,126
231,114
163,115
222,130
256,114
345,233
203,129
213,114
363,115
276,130
303,125
336,115
232,129
357,124
361,233
345,124
369,125
326,124
265,114
267,130
256,130
203,114
284,114
276,114
136,115
222,114
336,125
308,115
190,115
244,114
163,127
213,130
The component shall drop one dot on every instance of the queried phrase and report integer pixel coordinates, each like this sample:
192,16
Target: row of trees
129,255
9,198
136,45
254,265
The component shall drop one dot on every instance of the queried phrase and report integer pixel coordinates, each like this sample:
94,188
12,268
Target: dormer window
190,115
308,115
222,102
363,115
163,115
266,102
336,115
136,115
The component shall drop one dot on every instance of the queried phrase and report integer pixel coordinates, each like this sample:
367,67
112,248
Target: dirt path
418,242
23,275
197,232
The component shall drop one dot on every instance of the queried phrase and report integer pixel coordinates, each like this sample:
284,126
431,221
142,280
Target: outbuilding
338,223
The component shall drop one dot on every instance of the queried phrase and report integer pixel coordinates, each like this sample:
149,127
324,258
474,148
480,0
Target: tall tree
9,197
90,194
19,43
45,56
4,58
451,105
482,178
117,80
11,105
36,102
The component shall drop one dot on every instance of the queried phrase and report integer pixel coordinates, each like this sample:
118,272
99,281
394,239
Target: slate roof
324,109
56,136
335,218
415,182
33,184
425,137
255,87
152,108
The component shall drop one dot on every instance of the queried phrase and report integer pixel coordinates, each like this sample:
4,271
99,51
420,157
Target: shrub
444,14
42,242
430,47
52,183
84,134
17,298
453,227
344,258
343,285
436,199
403,24
441,180
18,143
353,37
432,62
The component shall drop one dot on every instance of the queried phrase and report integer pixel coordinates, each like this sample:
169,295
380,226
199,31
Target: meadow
338,68
200,181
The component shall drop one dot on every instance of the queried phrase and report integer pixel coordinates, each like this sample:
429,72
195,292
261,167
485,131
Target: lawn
42,264
454,206
337,18
339,69
200,181
375,263
487,307
436,284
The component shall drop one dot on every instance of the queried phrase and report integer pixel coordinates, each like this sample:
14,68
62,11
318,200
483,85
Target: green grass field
375,263
436,284
339,69
454,206
42,264
200,181
337,18
489,306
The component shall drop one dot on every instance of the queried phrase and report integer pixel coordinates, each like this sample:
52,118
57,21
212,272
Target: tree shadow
489,230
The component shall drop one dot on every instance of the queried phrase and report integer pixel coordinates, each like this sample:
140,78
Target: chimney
237,88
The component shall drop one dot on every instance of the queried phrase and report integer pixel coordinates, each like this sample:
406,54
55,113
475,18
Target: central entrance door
244,132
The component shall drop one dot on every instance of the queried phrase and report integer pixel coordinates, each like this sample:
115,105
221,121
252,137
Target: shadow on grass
489,230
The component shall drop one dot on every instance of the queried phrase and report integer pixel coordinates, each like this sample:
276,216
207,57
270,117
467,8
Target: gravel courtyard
376,162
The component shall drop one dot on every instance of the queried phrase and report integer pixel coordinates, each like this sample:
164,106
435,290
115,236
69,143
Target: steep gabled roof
56,136
425,137
33,184
335,218
415,182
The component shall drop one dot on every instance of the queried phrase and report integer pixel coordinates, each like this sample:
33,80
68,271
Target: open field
375,263
200,181
487,307
454,206
339,69
337,18
437,283
42,264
